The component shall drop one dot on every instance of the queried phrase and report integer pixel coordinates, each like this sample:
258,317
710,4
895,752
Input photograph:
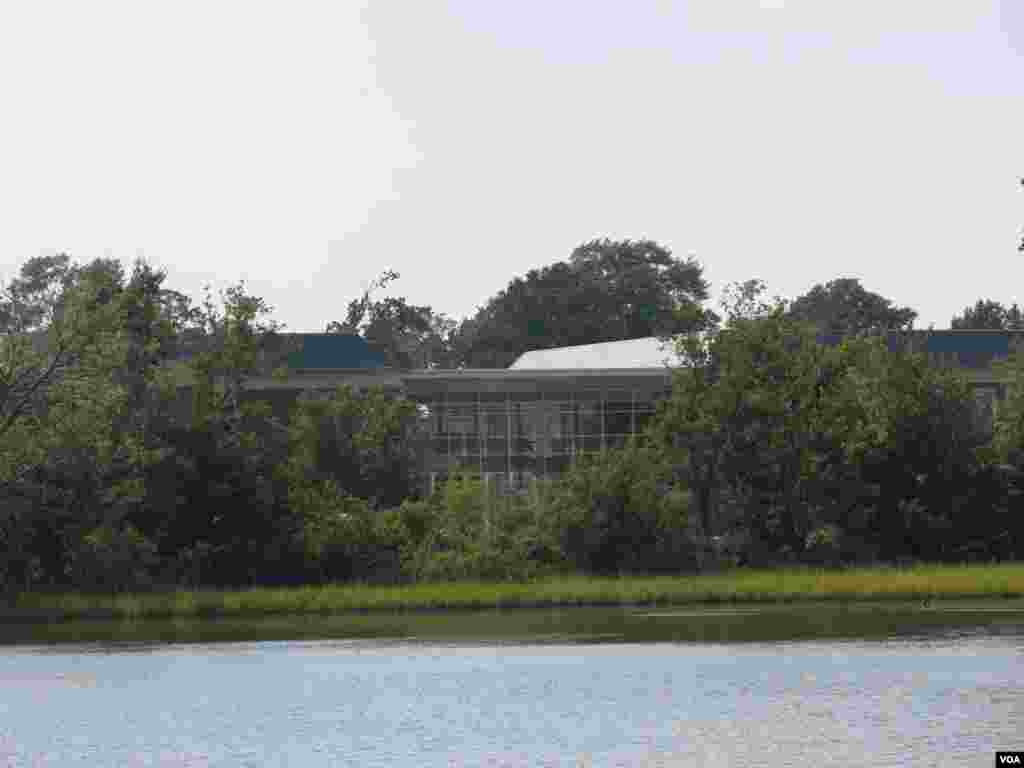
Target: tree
800,436
364,443
216,500
606,291
80,367
987,315
410,336
613,512
843,306
742,413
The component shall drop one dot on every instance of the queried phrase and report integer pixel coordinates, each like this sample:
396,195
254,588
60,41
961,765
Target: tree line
771,448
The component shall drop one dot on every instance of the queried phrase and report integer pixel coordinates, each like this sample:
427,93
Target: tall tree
844,306
989,315
802,435
606,291
410,336
79,368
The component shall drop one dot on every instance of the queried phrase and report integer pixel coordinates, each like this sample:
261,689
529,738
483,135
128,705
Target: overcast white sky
307,146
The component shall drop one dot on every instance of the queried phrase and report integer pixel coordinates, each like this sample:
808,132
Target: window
497,446
618,423
495,424
495,463
589,419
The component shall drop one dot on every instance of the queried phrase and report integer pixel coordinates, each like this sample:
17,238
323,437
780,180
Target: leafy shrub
616,511
113,558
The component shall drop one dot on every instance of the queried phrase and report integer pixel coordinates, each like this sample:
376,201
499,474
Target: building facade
536,417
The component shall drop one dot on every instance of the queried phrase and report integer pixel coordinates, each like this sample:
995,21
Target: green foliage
845,306
989,315
772,448
465,531
616,511
606,291
802,436
112,558
410,336
365,443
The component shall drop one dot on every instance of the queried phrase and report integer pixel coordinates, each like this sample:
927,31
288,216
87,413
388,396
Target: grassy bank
922,582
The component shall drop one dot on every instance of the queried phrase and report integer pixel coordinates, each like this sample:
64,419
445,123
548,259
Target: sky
306,147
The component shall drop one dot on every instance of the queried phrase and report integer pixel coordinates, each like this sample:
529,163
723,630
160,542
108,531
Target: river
883,685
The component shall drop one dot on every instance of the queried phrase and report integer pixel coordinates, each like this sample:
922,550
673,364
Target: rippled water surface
597,687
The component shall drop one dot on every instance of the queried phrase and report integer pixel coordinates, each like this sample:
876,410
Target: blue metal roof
966,349
332,350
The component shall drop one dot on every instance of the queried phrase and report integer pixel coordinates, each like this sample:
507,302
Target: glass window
567,423
619,396
527,419
589,419
496,446
524,445
495,463
618,423
495,424
465,445
561,445
520,462
462,419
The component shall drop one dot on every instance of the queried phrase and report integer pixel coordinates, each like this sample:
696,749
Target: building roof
648,352
319,351
968,349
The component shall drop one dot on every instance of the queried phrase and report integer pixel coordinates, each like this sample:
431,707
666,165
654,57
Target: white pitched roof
647,352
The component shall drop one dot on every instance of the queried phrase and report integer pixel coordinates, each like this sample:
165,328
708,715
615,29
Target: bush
617,511
113,558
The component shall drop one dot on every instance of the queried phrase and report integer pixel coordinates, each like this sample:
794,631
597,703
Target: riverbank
922,582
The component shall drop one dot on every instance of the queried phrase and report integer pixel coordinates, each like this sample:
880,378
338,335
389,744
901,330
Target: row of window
500,426
581,396
579,421
460,446
524,455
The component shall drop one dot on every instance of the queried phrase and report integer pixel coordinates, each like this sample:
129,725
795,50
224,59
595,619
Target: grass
920,582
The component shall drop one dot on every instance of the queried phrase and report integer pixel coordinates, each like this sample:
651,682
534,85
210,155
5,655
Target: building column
508,439
603,405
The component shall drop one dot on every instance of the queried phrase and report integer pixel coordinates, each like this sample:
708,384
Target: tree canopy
410,336
606,291
844,306
989,315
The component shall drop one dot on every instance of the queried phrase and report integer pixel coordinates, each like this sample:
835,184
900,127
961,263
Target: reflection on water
779,686
581,625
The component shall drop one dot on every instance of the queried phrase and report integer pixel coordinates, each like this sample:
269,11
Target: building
533,418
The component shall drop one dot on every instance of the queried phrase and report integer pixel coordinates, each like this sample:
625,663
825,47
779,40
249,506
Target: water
808,686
